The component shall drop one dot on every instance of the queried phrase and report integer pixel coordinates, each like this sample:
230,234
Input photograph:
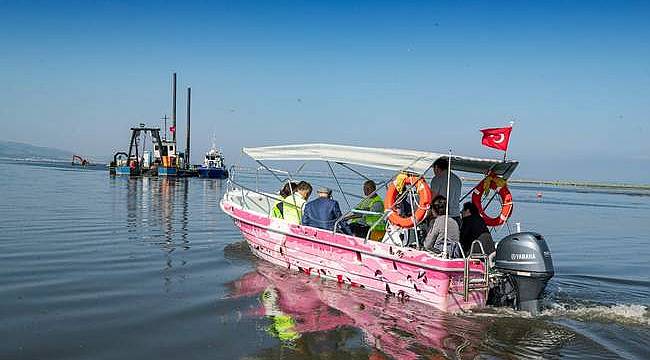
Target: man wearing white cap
323,212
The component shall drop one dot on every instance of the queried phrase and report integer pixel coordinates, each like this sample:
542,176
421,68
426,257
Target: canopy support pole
300,168
354,171
472,189
272,172
415,223
339,185
444,250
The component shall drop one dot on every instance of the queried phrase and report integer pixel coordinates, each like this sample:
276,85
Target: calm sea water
94,267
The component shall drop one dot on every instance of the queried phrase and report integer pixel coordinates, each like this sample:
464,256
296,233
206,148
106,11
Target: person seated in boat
360,224
439,186
294,203
435,239
323,212
278,207
473,228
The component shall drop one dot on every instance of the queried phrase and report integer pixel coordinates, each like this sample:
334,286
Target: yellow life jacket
367,205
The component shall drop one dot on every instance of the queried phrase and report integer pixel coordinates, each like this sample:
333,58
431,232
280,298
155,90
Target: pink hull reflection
406,273
397,329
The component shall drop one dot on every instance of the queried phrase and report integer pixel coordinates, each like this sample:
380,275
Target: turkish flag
497,138
172,129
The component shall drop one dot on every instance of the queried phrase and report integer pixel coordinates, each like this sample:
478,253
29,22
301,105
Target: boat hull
404,272
167,171
213,173
126,170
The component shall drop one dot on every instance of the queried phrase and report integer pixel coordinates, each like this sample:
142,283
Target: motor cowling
524,262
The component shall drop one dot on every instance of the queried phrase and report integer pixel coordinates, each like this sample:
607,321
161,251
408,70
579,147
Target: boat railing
233,185
479,284
408,192
272,199
346,216
388,212
363,212
231,173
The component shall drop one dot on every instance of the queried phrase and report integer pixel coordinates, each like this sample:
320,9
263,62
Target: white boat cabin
213,159
168,149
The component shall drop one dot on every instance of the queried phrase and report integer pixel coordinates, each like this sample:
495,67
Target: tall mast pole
164,118
187,146
174,108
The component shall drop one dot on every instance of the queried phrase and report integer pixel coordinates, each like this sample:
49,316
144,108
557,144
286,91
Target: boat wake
568,299
626,314
557,304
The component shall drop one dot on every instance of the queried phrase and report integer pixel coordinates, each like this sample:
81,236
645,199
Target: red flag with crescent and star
497,138
172,129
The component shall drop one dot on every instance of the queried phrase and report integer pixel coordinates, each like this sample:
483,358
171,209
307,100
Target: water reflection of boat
213,165
400,330
157,213
406,269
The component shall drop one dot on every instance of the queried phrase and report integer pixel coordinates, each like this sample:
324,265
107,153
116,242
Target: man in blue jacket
323,212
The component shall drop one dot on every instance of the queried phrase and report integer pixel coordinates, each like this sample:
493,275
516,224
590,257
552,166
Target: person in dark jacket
323,212
473,228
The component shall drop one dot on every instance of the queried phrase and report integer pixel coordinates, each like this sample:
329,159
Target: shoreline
564,183
577,184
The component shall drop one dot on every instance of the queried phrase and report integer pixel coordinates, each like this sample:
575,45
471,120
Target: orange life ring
424,193
493,182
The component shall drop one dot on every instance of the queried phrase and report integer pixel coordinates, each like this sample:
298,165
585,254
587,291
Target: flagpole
505,152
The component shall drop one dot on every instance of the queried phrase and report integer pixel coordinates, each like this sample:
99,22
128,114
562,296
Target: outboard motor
523,266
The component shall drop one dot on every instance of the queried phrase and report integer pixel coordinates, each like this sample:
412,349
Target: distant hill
16,150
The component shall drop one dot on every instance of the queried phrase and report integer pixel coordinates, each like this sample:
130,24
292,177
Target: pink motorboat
521,266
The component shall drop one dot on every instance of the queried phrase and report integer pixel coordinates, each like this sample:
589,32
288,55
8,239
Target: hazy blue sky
575,76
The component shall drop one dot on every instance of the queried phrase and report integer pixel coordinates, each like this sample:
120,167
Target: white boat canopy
379,158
